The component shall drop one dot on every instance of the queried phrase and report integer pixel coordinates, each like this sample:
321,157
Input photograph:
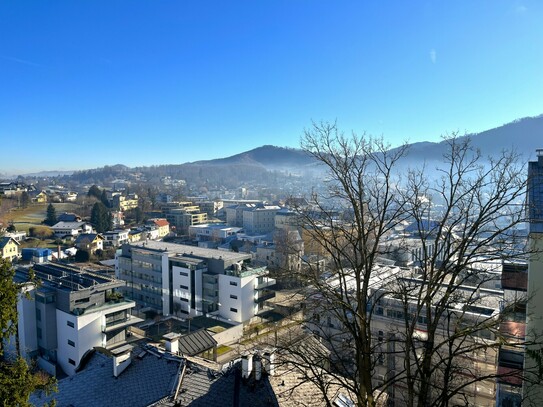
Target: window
71,343
70,324
184,274
234,297
71,362
184,287
233,283
38,315
184,299
38,333
233,309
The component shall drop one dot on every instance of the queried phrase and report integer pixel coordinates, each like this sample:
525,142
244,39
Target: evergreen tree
95,192
51,218
104,200
101,218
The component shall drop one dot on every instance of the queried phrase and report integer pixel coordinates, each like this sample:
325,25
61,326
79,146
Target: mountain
268,156
523,135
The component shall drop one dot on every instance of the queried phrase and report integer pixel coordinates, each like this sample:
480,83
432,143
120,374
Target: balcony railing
269,282
264,296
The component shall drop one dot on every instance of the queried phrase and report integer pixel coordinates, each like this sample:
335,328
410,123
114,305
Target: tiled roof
161,222
144,382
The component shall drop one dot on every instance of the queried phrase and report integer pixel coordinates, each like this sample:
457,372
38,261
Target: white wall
86,334
26,309
179,293
226,302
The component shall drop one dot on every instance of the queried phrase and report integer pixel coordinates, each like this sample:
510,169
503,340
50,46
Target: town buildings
190,281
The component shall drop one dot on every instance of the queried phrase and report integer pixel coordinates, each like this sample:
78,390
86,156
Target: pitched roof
161,222
196,342
87,237
145,381
5,240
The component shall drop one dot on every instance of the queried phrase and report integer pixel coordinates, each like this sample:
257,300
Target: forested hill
266,163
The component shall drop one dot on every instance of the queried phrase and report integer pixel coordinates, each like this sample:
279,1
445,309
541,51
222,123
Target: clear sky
91,83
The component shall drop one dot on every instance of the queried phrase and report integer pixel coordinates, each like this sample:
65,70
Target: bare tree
428,333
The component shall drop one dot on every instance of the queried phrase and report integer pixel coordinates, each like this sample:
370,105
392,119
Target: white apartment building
193,281
69,314
116,237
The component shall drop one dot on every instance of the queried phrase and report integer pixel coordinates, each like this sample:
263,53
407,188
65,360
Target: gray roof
180,249
144,382
196,342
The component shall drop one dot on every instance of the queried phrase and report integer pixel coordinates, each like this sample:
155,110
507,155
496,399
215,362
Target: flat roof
176,249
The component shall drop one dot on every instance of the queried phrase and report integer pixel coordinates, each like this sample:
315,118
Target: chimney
121,359
172,342
257,361
539,153
268,360
246,365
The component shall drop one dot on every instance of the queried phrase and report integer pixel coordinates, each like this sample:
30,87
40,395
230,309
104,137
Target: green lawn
34,214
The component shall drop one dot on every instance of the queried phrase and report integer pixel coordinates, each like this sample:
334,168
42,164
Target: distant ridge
525,135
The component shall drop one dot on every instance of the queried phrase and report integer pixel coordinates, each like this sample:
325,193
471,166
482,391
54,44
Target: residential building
90,242
234,213
68,314
388,327
191,281
9,248
70,229
17,236
116,237
163,226
183,218
534,393
260,219
124,203
218,232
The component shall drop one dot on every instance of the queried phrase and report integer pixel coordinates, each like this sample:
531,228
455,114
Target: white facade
116,237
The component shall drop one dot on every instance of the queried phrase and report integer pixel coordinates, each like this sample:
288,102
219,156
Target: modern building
68,314
183,218
534,393
116,238
191,281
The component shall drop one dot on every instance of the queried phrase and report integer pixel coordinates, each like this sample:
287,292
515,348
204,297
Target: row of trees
466,212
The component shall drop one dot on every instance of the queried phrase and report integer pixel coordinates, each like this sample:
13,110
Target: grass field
34,214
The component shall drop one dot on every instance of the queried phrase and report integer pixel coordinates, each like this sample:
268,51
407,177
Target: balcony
264,296
121,324
267,283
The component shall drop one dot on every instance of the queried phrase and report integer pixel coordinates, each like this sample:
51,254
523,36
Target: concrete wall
231,335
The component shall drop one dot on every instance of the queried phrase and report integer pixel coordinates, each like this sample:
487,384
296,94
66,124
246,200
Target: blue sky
87,84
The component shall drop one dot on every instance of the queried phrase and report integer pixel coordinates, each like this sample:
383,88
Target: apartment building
68,314
191,281
534,393
476,306
183,218
260,219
